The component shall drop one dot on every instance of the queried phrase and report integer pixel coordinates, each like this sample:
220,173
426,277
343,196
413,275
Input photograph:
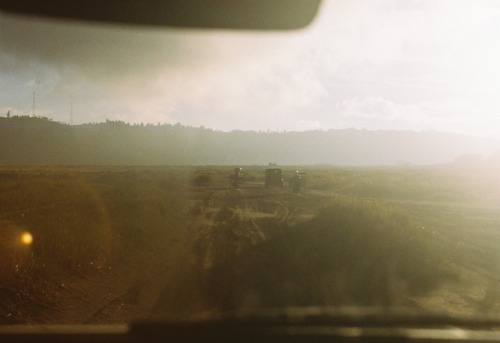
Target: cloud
307,125
95,51
371,64
447,115
187,76
149,74
368,108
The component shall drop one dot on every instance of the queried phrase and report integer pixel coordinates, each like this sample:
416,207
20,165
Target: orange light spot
26,238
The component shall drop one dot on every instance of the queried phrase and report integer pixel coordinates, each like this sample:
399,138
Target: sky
378,64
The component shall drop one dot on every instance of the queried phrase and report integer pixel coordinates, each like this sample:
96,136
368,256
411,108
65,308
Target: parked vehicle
274,177
236,177
295,182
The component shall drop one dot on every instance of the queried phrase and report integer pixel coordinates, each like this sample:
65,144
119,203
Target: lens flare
26,238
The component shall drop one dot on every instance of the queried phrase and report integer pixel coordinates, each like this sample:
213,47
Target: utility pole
33,109
71,114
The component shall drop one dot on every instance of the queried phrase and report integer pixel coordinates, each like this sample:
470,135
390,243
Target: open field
120,243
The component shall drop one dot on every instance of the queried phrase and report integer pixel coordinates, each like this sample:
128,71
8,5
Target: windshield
151,173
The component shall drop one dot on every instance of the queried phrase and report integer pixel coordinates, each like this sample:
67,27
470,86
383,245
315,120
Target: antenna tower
33,108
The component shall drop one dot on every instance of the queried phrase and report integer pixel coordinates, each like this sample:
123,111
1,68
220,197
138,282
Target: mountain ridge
41,141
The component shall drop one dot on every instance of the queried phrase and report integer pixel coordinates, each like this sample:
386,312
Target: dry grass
82,222
353,253
379,235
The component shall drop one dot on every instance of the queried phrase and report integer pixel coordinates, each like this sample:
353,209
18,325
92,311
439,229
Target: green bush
353,253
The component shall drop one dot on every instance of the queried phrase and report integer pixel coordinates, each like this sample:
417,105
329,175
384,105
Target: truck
298,180
274,177
236,177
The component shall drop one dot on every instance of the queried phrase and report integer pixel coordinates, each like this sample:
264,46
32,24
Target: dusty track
226,223
188,274
175,275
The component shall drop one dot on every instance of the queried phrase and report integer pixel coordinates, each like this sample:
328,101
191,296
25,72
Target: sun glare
26,238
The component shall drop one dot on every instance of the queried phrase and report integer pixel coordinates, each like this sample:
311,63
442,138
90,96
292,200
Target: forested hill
40,141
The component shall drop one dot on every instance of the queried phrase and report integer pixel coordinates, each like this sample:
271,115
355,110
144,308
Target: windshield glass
151,173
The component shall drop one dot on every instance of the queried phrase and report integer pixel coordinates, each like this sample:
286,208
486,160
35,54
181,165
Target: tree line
41,141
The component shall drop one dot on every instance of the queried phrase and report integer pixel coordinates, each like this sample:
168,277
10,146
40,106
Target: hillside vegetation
40,141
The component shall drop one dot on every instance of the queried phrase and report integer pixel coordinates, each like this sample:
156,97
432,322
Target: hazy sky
386,64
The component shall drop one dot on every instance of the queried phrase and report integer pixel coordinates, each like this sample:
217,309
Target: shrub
353,253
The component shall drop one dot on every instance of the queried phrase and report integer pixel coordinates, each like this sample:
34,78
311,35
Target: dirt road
225,223
177,275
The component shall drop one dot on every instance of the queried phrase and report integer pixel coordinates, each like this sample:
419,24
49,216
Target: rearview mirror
223,14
